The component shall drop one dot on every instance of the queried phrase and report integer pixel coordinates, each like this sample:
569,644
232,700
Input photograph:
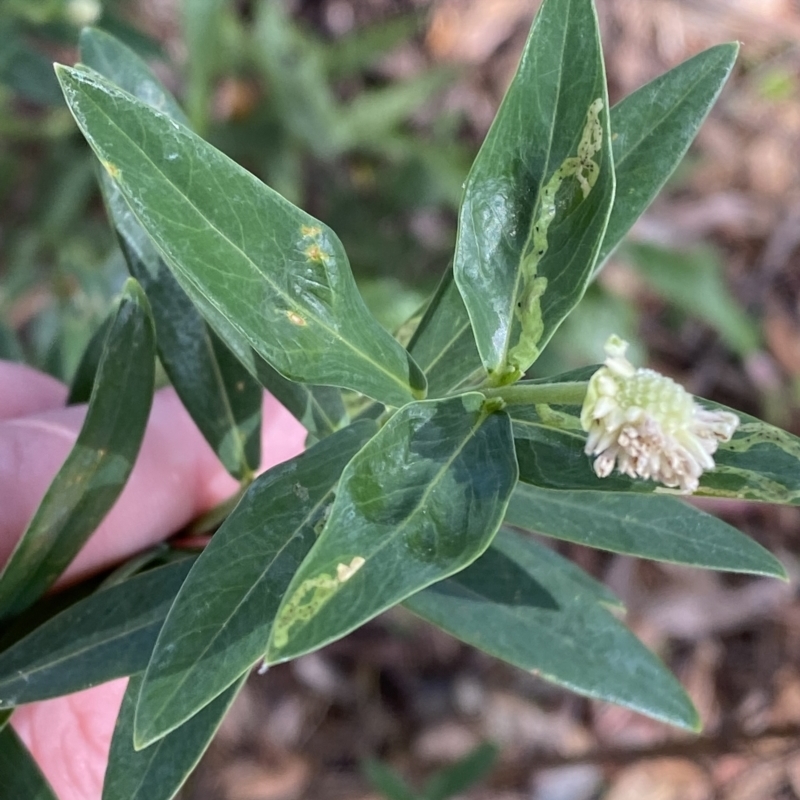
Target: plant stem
527,394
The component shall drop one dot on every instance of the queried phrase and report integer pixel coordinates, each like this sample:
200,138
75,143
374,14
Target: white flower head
648,426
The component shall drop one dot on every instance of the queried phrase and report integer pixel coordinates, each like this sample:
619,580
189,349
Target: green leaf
222,399
198,363
202,24
98,466
647,526
80,390
761,462
537,199
116,61
189,352
20,777
462,775
419,502
519,604
292,63
5,716
443,344
365,46
286,286
694,281
372,115
220,622
387,781
652,130
320,409
107,635
158,772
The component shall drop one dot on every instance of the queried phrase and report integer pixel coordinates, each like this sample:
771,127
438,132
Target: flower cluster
648,426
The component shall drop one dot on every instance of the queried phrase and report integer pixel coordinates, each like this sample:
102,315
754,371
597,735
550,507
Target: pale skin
175,479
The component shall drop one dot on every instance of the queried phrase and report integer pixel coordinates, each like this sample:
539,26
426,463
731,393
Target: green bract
236,288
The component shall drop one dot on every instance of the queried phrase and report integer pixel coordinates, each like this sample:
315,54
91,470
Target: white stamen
648,426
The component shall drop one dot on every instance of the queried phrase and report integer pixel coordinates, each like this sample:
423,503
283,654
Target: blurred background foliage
367,113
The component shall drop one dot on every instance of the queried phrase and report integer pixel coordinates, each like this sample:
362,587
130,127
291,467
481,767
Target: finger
24,390
70,738
176,477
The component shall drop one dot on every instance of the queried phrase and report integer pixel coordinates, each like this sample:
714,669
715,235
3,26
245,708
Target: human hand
176,478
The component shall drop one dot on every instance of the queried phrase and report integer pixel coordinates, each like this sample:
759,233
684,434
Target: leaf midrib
261,275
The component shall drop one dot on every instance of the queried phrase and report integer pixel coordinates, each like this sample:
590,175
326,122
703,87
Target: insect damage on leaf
531,286
296,319
310,596
112,169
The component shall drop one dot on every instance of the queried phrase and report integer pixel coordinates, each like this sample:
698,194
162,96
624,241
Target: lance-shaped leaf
222,399
443,344
194,364
761,462
652,130
159,771
97,467
422,500
279,276
647,526
537,199
518,603
20,777
107,635
220,622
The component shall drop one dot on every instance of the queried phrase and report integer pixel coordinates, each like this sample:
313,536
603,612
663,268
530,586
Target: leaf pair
295,567
650,131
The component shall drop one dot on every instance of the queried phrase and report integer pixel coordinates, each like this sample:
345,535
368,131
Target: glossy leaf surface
761,462
279,277
537,199
652,129
443,344
97,467
188,350
420,501
159,771
647,526
220,622
107,635
20,777
518,604
222,399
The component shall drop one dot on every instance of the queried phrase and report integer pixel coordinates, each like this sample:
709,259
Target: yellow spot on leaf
315,253
111,169
296,319
310,230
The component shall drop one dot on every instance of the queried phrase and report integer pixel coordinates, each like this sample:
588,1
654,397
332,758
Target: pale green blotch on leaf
310,596
528,312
